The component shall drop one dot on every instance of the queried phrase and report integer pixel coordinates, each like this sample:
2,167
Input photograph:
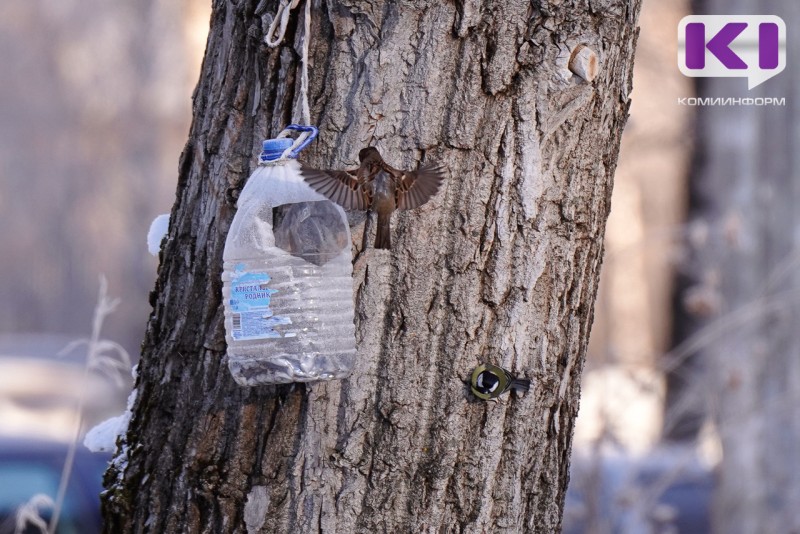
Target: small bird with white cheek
377,186
489,382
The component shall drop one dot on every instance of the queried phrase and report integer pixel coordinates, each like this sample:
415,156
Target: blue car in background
39,393
29,467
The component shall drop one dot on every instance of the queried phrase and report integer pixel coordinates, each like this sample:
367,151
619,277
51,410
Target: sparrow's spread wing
339,186
415,188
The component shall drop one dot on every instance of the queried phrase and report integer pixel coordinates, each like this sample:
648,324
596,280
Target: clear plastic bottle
287,280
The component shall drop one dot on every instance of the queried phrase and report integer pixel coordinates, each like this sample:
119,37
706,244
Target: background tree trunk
743,272
73,73
501,266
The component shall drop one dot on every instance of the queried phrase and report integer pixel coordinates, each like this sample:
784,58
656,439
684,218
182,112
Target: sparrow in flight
378,187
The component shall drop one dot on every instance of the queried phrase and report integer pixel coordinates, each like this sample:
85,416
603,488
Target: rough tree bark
501,266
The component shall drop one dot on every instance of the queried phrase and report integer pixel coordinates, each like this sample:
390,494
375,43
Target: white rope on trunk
272,40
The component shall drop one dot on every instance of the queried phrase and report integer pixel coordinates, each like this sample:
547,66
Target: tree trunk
501,266
744,217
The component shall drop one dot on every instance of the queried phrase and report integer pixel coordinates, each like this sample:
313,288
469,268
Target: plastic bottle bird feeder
287,279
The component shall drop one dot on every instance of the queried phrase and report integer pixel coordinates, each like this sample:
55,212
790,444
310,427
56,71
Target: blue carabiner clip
299,128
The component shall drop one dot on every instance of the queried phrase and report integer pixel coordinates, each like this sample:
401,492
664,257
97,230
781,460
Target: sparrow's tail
382,235
521,384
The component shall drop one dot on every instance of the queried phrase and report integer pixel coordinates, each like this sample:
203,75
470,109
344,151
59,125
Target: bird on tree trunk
377,186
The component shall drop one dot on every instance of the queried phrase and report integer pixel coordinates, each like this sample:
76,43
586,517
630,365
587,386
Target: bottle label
251,313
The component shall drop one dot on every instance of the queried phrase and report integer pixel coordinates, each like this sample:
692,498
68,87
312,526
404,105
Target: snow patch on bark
158,231
103,437
255,509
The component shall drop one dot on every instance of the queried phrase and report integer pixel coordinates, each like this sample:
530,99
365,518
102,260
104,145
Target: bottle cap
273,148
